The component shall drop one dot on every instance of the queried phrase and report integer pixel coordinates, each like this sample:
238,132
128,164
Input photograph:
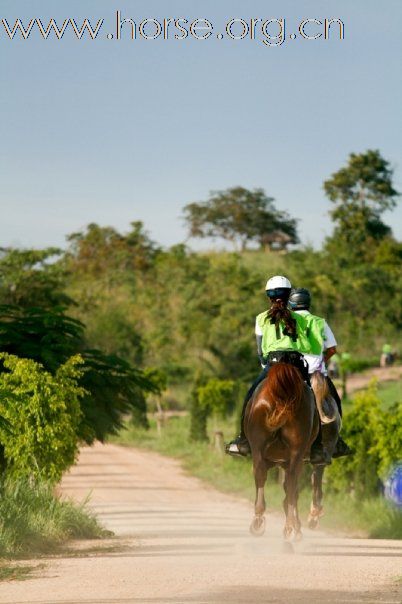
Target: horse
281,423
330,425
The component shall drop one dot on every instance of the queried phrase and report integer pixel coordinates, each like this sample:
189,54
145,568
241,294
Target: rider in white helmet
281,335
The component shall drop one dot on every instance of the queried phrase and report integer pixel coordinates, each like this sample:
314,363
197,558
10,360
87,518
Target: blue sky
113,131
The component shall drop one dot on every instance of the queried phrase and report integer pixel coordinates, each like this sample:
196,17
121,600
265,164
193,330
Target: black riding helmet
300,299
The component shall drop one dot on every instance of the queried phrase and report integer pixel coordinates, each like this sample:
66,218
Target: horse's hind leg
292,472
257,526
316,504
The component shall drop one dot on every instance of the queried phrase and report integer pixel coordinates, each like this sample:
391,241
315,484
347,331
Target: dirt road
358,381
182,542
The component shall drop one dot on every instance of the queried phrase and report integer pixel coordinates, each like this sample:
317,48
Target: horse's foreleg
316,504
260,475
257,526
291,486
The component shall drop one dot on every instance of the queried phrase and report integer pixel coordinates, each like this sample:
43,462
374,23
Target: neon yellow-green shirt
276,339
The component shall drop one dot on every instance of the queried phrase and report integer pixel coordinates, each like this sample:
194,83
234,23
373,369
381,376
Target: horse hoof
288,533
298,536
257,527
312,522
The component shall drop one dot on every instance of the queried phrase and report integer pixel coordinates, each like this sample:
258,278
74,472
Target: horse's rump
283,391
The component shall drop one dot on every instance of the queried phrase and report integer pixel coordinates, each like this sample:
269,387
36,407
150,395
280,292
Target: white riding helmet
278,282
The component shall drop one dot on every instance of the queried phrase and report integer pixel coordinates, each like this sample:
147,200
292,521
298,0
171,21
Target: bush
43,411
217,396
213,396
376,437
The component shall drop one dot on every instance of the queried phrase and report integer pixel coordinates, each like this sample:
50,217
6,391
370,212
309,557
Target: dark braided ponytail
279,312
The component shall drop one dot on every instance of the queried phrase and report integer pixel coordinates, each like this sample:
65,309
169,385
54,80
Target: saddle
292,357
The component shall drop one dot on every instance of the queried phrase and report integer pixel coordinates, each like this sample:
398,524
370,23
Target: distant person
387,358
282,335
323,349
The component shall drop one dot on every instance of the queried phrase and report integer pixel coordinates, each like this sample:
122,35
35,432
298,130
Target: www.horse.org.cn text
270,32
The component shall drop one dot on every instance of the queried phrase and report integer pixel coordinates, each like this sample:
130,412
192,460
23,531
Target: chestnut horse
281,423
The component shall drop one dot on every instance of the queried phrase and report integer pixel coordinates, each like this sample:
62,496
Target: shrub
213,396
43,411
217,396
388,445
376,437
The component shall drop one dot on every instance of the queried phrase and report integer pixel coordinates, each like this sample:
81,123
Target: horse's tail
319,385
284,391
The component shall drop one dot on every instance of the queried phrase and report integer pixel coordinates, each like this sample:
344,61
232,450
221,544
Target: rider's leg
240,445
250,393
341,448
318,455
334,393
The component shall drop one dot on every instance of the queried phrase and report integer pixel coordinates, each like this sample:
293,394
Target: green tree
43,411
241,215
109,327
361,191
355,280
33,278
101,251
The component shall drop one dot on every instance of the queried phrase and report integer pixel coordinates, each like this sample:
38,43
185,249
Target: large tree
98,249
361,191
361,260
241,216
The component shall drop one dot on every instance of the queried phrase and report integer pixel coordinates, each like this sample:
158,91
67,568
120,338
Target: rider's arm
259,345
329,343
263,360
329,353
258,337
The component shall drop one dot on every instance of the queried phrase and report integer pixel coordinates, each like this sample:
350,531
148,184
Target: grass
369,518
33,520
390,392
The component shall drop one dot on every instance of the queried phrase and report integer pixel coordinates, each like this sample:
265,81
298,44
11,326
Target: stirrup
322,457
342,449
238,447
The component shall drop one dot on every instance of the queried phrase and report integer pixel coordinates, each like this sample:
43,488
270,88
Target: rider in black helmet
300,302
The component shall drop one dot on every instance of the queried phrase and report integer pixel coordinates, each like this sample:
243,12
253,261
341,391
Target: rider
281,335
387,357
323,347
